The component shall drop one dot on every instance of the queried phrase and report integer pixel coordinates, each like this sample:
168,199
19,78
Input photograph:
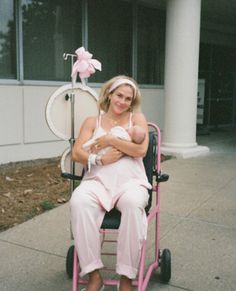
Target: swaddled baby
135,134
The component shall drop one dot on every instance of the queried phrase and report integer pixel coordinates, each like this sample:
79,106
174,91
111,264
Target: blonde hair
104,102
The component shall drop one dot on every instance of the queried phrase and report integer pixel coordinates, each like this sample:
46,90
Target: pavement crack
33,249
179,287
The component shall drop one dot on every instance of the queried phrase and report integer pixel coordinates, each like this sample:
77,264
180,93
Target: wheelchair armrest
70,176
161,177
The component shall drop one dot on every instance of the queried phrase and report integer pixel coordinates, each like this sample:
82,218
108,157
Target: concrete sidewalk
198,225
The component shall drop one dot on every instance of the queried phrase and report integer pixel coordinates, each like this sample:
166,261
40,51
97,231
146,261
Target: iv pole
95,64
72,102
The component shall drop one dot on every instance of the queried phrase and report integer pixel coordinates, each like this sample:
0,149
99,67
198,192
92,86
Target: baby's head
137,134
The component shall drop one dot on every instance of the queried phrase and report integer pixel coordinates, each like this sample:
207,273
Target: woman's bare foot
125,284
95,281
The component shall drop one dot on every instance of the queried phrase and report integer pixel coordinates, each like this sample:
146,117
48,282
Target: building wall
24,133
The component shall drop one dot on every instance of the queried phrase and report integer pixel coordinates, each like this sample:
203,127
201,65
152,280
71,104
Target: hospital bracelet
98,160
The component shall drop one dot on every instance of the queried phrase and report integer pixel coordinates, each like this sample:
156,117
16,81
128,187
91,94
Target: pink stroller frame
162,258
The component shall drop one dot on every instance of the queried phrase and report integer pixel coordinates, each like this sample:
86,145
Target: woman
116,179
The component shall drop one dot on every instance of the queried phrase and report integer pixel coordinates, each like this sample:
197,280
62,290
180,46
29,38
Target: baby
135,134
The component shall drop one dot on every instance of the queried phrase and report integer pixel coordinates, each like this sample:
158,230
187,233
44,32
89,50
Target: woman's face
121,99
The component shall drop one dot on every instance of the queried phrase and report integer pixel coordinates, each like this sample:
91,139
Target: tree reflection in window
50,28
7,40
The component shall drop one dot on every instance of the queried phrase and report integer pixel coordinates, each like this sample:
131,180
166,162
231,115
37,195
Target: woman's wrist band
91,161
94,159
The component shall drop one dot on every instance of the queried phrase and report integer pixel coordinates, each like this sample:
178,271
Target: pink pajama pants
87,215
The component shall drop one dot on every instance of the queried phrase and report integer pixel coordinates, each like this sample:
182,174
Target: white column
181,78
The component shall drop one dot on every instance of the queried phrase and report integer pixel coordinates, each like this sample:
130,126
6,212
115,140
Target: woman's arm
86,132
129,148
80,155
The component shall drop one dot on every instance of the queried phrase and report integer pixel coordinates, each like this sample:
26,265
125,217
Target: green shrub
47,205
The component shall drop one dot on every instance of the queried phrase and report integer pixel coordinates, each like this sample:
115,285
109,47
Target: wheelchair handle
70,176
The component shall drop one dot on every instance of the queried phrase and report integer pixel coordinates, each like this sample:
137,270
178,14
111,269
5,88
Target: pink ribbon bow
85,65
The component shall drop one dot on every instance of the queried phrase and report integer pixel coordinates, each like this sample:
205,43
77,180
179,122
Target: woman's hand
102,142
111,156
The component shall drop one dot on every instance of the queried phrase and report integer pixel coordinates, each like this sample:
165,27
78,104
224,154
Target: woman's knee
135,199
80,199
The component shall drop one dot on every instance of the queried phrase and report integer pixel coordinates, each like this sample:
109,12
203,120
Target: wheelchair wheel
70,261
165,266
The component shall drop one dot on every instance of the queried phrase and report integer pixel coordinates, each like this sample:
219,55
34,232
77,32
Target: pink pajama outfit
124,185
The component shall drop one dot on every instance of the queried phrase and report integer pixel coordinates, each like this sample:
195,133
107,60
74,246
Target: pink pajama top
118,176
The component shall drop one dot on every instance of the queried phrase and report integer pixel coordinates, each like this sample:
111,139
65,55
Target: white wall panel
27,152
11,115
35,125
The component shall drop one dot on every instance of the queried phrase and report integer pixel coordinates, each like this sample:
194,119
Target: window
151,43
7,40
50,28
110,37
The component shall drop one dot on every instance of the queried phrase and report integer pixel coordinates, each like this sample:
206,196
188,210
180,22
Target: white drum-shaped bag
66,164
58,109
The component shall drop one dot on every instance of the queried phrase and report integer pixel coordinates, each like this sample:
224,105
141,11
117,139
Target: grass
47,205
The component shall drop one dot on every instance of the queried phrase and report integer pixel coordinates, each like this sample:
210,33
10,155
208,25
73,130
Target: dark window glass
151,43
50,28
7,40
217,66
110,37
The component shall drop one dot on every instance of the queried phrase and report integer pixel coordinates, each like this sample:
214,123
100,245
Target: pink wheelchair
161,258
66,109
